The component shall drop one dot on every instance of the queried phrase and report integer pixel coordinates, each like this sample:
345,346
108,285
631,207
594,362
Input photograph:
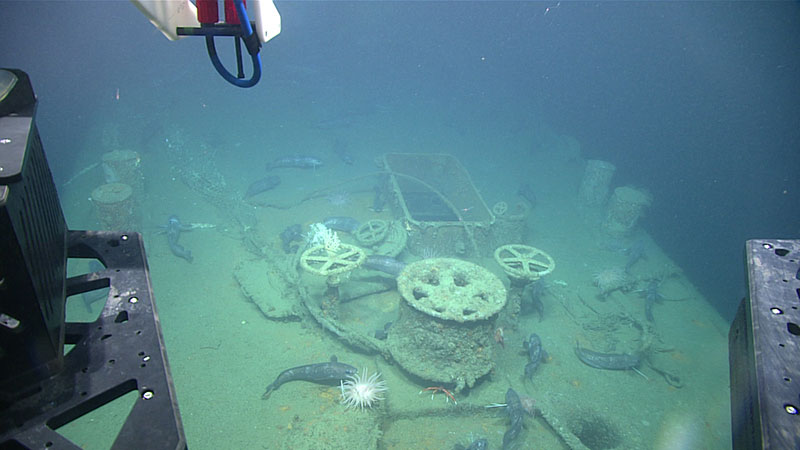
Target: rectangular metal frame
441,178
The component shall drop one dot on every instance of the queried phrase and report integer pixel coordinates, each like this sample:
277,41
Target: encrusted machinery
333,263
115,206
625,207
522,264
440,208
445,327
595,183
125,166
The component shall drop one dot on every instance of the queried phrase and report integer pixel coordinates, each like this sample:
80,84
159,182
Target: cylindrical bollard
124,166
624,210
115,206
595,183
445,329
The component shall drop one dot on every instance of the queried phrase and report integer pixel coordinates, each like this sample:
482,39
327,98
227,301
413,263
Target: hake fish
322,373
607,361
296,161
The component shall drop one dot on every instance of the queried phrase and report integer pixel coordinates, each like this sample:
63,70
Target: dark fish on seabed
384,333
342,223
535,354
607,361
385,264
478,444
515,414
331,372
174,228
526,191
531,299
262,185
296,161
289,235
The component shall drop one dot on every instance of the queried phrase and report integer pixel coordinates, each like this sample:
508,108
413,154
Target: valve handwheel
372,232
524,262
320,261
500,208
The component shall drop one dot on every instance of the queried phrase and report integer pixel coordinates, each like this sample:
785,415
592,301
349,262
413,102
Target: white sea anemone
609,279
428,253
362,390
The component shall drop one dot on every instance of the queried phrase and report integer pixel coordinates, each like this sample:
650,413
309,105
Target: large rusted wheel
452,289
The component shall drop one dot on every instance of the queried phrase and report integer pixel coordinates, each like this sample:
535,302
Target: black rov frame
764,348
123,351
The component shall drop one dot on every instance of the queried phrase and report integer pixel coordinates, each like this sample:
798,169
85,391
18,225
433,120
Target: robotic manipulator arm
180,18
